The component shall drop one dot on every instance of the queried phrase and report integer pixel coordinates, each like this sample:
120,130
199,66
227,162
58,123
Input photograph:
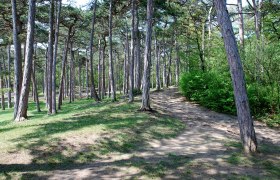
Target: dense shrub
210,89
214,90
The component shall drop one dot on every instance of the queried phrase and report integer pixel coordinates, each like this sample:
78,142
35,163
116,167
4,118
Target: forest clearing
140,89
115,141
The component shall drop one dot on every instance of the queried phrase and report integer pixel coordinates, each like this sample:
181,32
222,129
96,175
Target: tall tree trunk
157,63
111,63
93,90
177,62
164,73
137,52
247,131
2,87
72,75
131,65
63,71
55,58
50,56
87,79
46,77
80,77
99,67
17,58
9,77
103,69
23,100
147,59
127,52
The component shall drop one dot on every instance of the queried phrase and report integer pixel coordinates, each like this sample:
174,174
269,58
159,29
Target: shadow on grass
127,131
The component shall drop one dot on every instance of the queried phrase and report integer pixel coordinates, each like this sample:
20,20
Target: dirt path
200,152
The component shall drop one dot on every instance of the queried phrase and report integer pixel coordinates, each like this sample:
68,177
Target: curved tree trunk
247,131
23,100
147,59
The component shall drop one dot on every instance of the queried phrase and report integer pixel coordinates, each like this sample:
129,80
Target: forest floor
180,140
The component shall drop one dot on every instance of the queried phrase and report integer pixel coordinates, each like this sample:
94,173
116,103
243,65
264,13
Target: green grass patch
64,140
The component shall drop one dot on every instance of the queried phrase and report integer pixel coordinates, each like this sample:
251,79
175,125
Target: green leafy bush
210,89
214,91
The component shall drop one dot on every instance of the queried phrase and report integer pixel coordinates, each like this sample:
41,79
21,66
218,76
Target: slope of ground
114,141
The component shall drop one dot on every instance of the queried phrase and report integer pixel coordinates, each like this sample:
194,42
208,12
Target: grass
266,159
82,132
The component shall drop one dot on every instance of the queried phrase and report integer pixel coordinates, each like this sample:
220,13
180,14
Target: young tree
247,131
147,59
23,100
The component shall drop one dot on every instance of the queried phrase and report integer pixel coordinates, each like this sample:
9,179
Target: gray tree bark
23,100
99,67
93,90
147,59
2,87
55,57
137,52
157,63
111,63
63,71
9,76
50,56
17,58
131,64
247,131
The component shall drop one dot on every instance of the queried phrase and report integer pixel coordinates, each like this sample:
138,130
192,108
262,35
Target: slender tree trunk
131,65
241,24
99,68
46,78
103,69
177,62
93,90
63,71
80,78
147,59
87,79
2,87
111,63
137,52
9,77
157,56
36,97
55,58
50,56
17,58
127,48
164,73
23,100
247,131
72,75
